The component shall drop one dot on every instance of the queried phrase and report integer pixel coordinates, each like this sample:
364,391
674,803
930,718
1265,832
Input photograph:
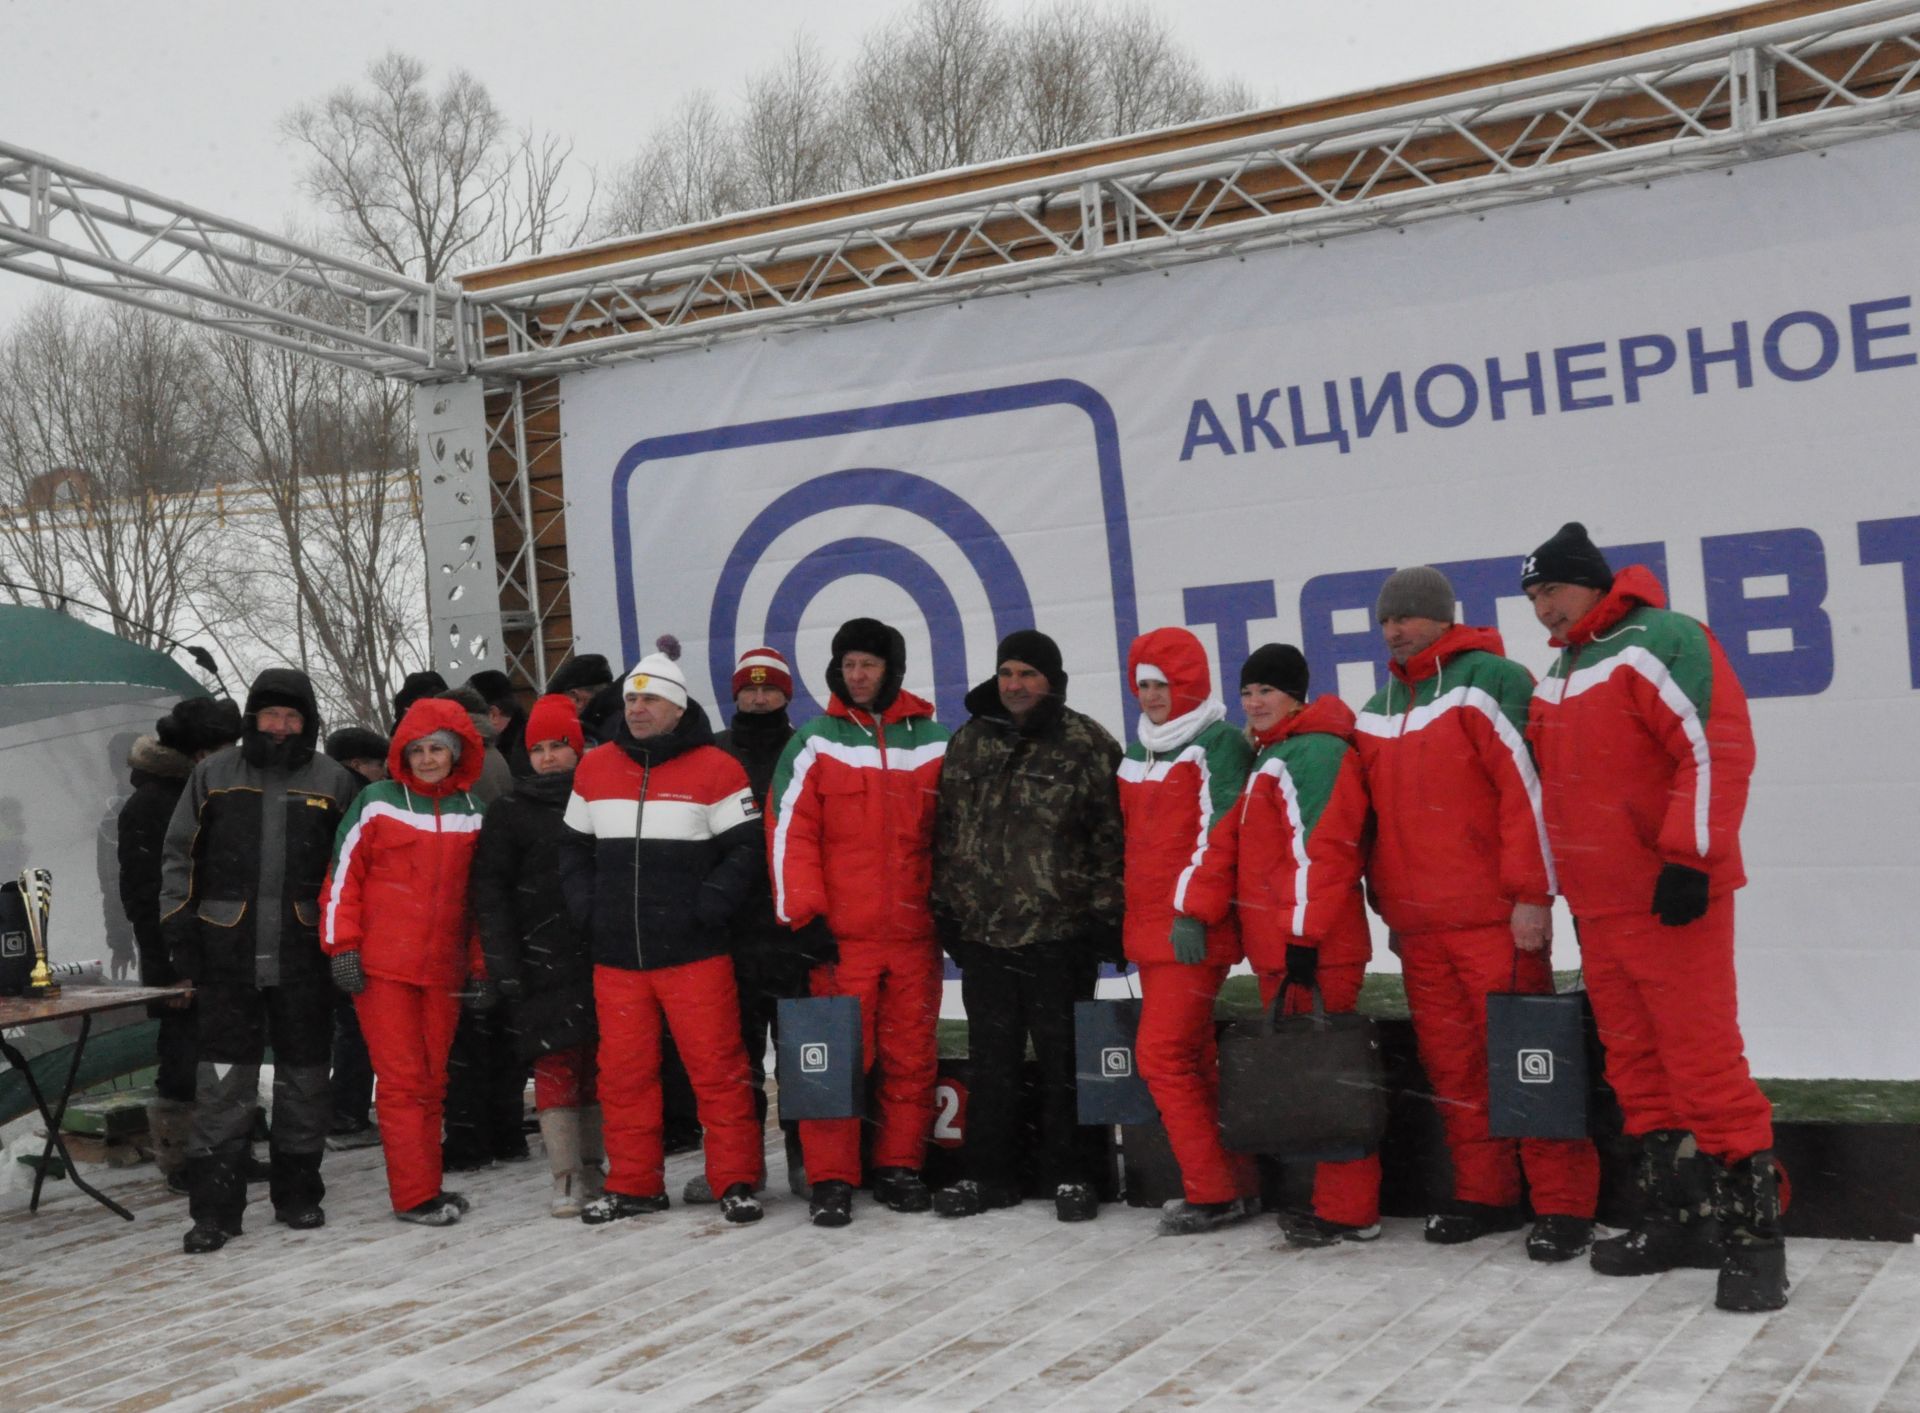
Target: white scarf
1173,733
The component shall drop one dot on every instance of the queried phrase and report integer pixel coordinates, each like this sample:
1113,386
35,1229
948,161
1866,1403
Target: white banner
1716,374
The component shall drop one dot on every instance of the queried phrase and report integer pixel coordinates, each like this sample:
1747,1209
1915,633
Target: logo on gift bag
13,944
1536,1066
1116,1062
813,1058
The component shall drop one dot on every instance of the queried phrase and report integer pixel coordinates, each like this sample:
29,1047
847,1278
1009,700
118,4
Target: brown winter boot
560,1131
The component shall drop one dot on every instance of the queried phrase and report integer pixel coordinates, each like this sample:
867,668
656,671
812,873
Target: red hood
423,718
1633,586
1456,640
1325,716
905,704
1180,658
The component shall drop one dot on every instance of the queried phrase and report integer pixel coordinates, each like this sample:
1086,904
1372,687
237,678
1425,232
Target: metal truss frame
1799,85
1804,84
75,228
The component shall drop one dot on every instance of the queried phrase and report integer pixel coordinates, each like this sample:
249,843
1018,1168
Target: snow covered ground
1012,1310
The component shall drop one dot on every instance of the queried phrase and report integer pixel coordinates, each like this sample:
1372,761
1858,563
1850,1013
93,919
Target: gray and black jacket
247,850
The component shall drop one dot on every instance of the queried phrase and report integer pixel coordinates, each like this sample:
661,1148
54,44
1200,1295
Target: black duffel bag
1309,1087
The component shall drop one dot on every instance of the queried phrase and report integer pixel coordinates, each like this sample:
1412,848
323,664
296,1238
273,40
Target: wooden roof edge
1015,169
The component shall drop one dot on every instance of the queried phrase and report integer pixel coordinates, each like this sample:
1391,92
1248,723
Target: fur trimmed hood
163,762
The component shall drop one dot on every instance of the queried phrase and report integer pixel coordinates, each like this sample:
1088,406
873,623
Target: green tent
73,698
52,665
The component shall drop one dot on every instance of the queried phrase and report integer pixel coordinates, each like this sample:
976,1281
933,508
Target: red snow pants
702,1013
1347,1193
565,1079
1180,1061
1663,998
1449,976
408,1030
898,984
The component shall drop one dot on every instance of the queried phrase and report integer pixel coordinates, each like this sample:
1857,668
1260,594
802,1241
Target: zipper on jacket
886,815
639,818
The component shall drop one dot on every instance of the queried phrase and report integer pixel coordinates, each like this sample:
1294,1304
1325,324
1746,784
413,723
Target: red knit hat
1175,655
762,667
554,719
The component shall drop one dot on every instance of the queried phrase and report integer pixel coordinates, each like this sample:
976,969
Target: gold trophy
36,891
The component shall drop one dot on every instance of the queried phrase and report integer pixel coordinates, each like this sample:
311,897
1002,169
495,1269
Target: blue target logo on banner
938,512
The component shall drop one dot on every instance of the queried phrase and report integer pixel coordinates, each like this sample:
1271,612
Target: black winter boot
1459,1222
216,1200
1753,1266
296,1188
901,1189
1677,1227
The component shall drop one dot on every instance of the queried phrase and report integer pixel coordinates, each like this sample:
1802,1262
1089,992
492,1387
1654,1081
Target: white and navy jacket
664,844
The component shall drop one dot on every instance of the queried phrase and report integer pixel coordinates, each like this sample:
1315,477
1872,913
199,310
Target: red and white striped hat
762,667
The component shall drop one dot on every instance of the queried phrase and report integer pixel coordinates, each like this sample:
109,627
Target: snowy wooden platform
1012,1310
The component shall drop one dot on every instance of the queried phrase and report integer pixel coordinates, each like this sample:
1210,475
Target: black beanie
1280,665
417,685
356,743
581,670
495,689
1036,650
199,724
1568,558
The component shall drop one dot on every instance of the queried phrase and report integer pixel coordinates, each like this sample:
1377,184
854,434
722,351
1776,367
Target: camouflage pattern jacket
1027,839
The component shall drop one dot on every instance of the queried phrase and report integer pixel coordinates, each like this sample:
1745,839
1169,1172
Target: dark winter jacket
247,848
664,846
1027,836
534,949
604,718
756,740
159,776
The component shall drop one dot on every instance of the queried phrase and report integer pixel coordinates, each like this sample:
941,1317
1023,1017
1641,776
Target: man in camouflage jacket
1027,894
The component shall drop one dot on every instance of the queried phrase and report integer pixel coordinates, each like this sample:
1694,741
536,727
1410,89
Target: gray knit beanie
1418,591
443,737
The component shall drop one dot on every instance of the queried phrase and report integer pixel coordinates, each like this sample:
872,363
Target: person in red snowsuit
1180,776
1461,873
1290,852
850,842
1645,751
396,927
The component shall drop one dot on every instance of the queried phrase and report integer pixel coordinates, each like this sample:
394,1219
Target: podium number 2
950,1106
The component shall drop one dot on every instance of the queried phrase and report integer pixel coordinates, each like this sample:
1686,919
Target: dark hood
693,729
550,791
280,686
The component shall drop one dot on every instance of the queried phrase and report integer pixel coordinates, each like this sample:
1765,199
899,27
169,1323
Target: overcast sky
184,98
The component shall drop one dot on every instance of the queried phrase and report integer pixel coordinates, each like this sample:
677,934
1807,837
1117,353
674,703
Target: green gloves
1189,940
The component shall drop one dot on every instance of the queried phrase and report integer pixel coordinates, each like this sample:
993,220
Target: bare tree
1057,78
789,143
686,172
427,182
109,436
332,577
929,91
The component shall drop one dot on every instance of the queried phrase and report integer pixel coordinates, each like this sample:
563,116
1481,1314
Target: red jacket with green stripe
1645,751
1291,851
1459,832
397,891
1170,804
850,821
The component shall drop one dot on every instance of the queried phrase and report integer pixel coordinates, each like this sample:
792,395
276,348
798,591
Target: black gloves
816,944
1680,895
1303,966
347,974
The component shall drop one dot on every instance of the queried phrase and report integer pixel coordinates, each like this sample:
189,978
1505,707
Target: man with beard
245,858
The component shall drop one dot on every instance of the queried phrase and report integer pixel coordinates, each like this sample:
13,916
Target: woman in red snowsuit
396,925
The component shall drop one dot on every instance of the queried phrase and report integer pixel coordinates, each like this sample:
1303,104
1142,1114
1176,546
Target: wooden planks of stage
1012,1310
